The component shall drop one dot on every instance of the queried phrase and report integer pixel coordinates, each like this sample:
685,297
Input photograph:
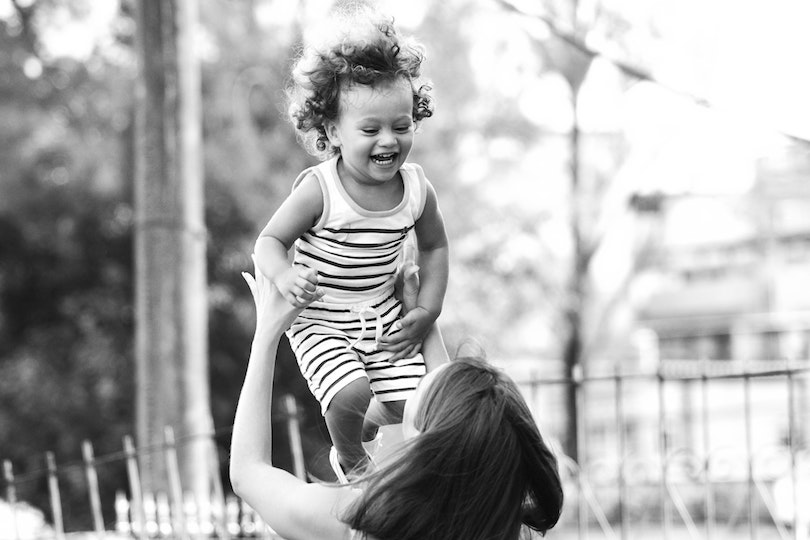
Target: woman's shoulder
312,511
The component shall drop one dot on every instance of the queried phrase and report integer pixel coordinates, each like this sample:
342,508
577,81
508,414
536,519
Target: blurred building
725,288
741,293
734,296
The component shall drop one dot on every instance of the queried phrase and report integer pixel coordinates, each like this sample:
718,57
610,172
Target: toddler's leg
381,414
344,419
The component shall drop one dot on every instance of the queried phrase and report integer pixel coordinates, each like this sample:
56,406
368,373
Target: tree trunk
573,64
171,345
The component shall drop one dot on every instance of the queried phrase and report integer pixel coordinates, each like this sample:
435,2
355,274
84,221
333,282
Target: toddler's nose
387,138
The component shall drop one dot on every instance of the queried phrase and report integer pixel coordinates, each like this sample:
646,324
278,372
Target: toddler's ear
332,133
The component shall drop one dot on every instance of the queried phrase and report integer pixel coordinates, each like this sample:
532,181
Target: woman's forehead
431,375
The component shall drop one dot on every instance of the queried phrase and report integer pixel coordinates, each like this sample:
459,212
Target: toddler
356,100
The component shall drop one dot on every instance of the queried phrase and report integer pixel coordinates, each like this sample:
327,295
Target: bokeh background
625,183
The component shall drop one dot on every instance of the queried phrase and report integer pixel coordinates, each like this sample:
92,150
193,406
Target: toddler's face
374,130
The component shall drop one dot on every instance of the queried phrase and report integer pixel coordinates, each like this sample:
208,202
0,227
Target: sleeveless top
356,251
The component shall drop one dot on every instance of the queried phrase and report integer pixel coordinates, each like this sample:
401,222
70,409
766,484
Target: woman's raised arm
293,508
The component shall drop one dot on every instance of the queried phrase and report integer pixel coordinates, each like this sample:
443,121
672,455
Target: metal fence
635,478
694,450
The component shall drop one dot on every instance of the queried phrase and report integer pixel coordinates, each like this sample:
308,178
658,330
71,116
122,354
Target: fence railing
619,487
174,513
697,465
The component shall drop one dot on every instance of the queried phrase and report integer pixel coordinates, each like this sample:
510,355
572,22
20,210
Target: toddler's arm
433,274
297,284
432,347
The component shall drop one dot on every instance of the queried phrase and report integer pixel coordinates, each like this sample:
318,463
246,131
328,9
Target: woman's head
477,467
359,49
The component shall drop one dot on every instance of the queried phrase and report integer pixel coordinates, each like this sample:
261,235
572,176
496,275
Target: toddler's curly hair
366,51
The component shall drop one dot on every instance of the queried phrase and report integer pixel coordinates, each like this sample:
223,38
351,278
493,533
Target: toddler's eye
403,129
369,131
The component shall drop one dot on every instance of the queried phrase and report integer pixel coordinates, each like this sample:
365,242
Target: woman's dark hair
364,50
479,468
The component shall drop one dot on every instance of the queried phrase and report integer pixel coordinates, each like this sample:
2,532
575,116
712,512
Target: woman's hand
272,309
406,286
406,339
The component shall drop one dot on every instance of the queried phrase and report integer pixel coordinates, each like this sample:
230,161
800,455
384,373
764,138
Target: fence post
232,521
794,477
620,439
163,515
11,495
56,501
582,508
749,454
151,524
175,487
218,492
191,514
92,487
706,421
123,524
294,433
137,514
663,450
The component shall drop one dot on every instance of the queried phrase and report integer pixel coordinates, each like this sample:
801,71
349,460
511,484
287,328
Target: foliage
66,257
66,219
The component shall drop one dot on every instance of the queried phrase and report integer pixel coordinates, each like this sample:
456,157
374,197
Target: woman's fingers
408,352
251,281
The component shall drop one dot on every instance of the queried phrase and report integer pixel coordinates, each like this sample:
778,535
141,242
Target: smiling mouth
384,159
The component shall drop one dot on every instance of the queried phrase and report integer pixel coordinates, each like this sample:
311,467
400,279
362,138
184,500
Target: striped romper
356,253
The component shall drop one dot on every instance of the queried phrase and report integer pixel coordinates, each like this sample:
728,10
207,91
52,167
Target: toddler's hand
299,286
409,332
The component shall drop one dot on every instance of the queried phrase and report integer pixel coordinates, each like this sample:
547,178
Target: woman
474,465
